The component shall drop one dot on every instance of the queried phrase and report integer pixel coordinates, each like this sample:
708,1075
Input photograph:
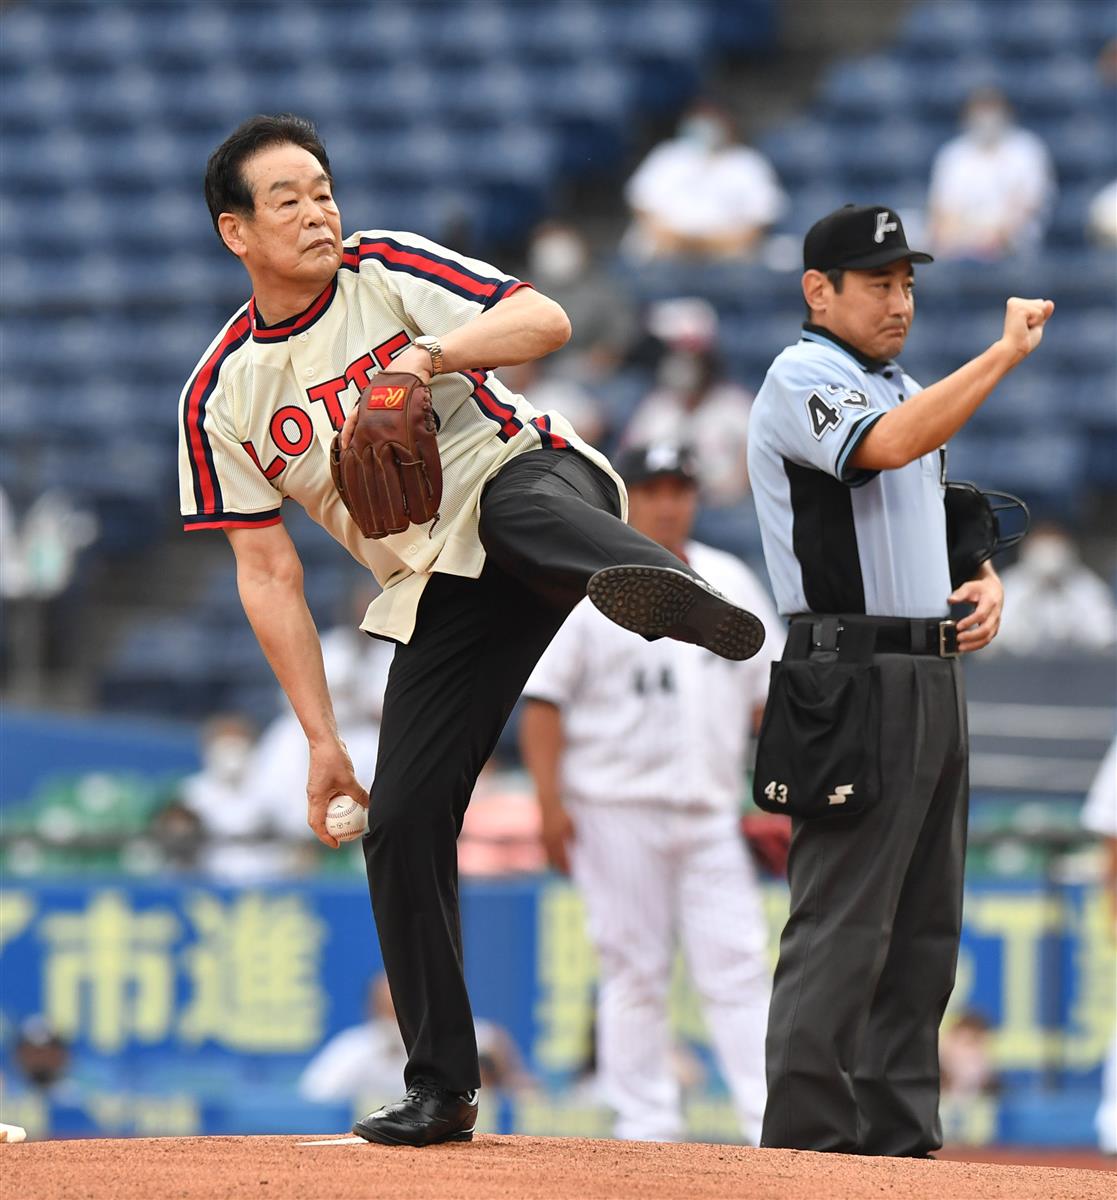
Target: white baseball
345,819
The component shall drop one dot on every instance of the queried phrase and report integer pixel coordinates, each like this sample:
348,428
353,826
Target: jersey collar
288,327
819,333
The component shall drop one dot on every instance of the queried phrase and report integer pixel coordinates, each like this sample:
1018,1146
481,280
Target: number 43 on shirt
825,415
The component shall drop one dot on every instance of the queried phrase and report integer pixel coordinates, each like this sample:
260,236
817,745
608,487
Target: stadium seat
108,117
1023,29
944,29
866,88
1063,84
803,153
1041,468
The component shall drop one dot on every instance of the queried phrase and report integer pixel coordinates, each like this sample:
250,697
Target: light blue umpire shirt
838,539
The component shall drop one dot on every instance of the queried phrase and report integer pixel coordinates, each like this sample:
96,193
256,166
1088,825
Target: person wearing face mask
692,402
235,812
601,314
992,187
356,668
703,193
1057,602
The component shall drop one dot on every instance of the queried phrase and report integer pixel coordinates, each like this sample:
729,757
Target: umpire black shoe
425,1116
662,602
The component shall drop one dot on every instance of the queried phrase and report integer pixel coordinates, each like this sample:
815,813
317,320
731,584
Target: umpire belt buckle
948,639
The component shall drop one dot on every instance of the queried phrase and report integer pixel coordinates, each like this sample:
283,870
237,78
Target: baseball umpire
864,739
519,519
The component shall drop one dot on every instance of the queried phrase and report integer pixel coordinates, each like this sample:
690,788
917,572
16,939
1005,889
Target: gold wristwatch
434,348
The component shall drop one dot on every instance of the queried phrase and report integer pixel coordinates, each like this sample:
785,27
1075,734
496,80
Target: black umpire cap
858,237
639,464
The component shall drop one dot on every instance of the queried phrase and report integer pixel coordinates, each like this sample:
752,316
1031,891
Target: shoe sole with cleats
661,602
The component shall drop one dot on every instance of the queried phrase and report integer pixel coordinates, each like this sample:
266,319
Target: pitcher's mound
506,1168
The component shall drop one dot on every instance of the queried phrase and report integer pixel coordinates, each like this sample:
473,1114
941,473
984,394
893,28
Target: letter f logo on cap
885,224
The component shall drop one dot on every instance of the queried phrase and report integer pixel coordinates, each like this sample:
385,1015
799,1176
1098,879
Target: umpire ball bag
818,754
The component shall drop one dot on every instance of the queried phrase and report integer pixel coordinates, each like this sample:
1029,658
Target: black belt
890,635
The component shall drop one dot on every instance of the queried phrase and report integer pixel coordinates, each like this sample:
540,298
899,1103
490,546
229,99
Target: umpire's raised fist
1024,322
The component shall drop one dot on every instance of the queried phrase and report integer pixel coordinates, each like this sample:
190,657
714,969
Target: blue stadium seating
108,113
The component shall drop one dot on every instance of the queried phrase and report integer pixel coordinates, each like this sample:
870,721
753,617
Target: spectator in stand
356,668
361,1061
992,187
703,193
601,313
693,404
1054,601
965,1058
969,1078
42,1056
238,817
180,837
501,827
1101,216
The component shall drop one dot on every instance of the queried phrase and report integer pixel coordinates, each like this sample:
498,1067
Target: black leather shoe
661,602
425,1116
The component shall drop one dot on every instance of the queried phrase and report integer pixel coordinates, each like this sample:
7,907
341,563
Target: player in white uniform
529,516
638,750
1099,815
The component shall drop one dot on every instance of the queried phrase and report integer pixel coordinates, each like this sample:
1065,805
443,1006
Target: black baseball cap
858,237
638,464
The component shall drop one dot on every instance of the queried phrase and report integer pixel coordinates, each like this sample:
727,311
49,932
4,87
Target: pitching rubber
661,602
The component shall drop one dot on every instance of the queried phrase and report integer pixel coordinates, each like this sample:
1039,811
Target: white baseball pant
652,876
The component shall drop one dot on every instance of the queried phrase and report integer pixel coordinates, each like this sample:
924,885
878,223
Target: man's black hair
226,188
836,275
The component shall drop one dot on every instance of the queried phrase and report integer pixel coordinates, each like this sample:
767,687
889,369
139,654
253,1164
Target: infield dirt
505,1168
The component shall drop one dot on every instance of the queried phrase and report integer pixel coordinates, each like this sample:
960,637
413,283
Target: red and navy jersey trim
496,410
547,438
448,273
297,324
207,487
232,520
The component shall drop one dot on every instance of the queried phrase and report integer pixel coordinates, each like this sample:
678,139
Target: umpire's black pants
549,520
868,955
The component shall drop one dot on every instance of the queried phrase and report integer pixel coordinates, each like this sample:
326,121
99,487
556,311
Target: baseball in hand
345,819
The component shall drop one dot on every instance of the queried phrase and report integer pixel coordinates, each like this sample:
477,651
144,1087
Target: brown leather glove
390,475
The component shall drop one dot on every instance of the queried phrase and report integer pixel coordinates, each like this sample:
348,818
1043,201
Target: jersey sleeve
824,415
221,485
558,672
435,289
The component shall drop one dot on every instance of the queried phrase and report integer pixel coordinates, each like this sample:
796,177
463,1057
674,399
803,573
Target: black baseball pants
868,955
549,520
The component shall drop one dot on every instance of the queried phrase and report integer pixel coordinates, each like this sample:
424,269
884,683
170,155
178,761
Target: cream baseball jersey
260,411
